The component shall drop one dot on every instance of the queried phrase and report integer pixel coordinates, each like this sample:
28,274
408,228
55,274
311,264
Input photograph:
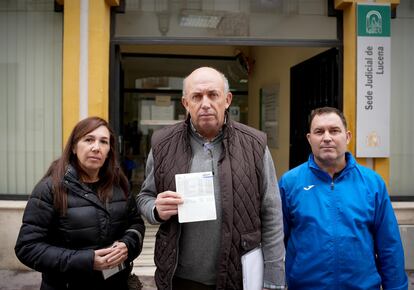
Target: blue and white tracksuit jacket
341,232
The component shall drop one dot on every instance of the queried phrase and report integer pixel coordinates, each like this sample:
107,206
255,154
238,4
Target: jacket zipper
212,160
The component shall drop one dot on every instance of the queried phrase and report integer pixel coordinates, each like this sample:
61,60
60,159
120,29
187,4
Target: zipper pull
207,147
212,161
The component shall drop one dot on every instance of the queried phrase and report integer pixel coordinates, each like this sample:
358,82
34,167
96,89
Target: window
30,92
230,19
402,101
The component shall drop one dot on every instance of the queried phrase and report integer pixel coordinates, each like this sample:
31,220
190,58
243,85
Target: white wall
11,213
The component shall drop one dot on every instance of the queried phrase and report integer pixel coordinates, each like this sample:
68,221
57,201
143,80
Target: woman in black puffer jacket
81,227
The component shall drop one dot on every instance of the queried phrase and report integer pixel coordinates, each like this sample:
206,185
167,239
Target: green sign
374,20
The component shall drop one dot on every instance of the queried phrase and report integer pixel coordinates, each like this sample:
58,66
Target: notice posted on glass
197,191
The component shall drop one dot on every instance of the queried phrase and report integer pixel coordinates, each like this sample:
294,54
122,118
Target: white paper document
252,269
112,271
197,190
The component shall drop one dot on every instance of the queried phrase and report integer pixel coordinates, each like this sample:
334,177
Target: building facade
65,60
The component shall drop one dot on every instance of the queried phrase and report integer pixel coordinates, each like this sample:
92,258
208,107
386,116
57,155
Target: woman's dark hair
110,174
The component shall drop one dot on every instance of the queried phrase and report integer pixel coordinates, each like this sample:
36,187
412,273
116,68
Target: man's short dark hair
326,110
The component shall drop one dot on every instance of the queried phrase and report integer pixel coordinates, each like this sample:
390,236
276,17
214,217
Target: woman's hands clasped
110,257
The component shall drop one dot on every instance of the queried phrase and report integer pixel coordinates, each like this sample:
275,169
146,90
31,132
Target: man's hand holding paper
166,204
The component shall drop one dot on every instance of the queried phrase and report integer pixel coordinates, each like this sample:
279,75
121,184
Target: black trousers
184,284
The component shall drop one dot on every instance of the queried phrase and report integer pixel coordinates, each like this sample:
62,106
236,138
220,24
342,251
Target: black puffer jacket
62,247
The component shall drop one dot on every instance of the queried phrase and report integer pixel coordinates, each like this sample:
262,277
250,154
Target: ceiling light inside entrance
199,19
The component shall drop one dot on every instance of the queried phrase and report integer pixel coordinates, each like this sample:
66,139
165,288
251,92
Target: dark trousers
184,284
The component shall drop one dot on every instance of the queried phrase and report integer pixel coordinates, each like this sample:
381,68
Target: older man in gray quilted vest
207,254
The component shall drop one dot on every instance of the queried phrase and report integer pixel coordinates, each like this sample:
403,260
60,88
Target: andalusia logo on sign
373,22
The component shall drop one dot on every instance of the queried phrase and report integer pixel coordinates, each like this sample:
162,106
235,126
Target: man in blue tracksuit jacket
340,228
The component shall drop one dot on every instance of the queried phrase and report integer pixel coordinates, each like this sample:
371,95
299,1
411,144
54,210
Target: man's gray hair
225,81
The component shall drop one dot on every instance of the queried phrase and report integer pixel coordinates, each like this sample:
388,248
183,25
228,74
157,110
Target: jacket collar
71,173
350,163
227,123
71,182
